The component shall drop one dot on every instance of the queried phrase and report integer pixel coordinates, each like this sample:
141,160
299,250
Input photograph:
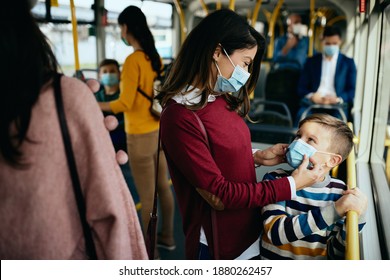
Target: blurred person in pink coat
38,211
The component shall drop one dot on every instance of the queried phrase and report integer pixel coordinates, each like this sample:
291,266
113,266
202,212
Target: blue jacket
295,58
345,77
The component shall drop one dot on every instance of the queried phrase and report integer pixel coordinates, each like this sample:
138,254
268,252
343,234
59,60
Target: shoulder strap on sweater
90,246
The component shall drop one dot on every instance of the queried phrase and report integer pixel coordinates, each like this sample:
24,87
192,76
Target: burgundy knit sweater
226,170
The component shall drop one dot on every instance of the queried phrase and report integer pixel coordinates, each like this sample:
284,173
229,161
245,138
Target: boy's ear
217,53
334,161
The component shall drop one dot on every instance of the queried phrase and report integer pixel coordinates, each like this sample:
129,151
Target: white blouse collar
194,96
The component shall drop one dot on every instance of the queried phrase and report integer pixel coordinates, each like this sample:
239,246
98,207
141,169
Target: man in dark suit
328,78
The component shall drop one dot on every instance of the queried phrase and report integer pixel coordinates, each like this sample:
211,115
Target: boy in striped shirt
312,225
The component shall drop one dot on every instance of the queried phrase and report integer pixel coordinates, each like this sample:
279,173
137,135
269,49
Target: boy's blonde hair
342,136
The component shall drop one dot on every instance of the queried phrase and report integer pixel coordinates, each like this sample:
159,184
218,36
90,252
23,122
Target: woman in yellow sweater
140,70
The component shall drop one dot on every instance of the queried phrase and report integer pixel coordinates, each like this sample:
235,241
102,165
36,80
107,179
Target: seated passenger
328,78
109,74
291,49
312,225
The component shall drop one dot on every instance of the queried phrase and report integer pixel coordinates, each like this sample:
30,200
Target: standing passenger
221,55
109,75
38,211
140,70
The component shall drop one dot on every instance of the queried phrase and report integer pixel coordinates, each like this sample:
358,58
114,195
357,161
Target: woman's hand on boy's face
305,177
272,155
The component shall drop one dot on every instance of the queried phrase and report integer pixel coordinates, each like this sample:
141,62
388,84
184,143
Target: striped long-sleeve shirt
307,227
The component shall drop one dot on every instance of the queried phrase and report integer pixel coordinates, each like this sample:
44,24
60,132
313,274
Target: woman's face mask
235,82
296,151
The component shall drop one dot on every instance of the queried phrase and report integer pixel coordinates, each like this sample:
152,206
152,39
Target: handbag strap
154,211
144,94
90,246
214,227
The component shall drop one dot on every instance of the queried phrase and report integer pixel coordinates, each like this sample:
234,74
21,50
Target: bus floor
176,254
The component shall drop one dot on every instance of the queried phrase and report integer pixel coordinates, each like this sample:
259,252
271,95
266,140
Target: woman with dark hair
139,71
38,210
207,143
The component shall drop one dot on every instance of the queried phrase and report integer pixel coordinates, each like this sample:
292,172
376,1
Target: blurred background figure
291,49
109,75
38,210
139,71
328,78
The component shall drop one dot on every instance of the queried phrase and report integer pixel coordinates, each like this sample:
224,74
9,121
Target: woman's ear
334,161
217,53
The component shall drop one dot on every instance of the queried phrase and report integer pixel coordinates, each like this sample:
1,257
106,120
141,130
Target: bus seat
281,86
271,122
260,86
335,110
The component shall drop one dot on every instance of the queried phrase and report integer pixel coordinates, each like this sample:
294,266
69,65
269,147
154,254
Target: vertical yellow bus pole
232,4
75,37
183,26
256,12
204,6
218,5
271,31
352,250
311,28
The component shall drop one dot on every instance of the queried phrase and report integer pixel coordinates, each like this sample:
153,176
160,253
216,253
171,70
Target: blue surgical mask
331,50
299,148
109,79
235,82
296,151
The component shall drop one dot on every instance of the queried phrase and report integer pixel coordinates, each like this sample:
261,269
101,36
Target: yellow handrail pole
352,227
218,5
311,28
335,19
335,171
271,29
267,15
75,36
204,6
183,26
256,12
232,4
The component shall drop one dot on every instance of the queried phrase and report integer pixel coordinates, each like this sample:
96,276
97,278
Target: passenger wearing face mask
208,145
109,74
312,224
291,49
328,78
139,71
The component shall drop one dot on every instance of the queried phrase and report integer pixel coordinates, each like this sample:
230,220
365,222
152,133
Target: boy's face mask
296,151
109,79
235,82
